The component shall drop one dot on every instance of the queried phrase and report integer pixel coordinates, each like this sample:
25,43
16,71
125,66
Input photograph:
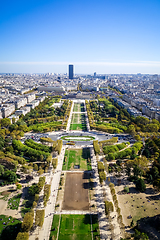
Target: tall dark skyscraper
70,71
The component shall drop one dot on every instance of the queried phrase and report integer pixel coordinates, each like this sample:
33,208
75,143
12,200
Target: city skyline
104,37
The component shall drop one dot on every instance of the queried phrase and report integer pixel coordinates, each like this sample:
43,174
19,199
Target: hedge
47,192
28,151
39,218
96,147
54,162
108,207
37,146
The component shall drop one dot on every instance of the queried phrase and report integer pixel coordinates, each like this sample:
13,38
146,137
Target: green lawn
77,138
9,227
76,227
78,127
44,127
54,228
78,107
74,118
78,122
82,108
13,203
77,157
27,205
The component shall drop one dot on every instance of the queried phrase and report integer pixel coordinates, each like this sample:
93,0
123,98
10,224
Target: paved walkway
74,212
70,118
87,120
52,179
105,233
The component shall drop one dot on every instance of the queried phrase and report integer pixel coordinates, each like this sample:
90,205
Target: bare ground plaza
76,192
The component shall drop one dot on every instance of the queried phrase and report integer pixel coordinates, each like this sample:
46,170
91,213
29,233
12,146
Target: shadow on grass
10,232
154,198
27,205
150,225
86,175
86,153
87,219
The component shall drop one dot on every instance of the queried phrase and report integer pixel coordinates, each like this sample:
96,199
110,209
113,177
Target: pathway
69,119
105,232
52,179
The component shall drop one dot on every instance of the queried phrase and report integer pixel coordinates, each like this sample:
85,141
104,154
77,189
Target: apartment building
20,102
7,110
30,97
33,104
23,111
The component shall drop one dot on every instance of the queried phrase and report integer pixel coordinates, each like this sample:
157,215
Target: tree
34,204
9,149
126,189
39,218
19,186
142,162
137,171
33,189
141,120
152,127
40,171
128,171
36,198
13,120
35,167
131,129
108,207
41,183
41,158
5,122
96,147
111,156
27,222
1,170
47,192
140,185
156,183
10,176
22,236
102,176
137,137
155,172
49,159
140,235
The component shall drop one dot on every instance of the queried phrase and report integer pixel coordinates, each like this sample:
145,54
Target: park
77,182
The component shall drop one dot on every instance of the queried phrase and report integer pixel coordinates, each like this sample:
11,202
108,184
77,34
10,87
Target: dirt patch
5,193
76,192
138,205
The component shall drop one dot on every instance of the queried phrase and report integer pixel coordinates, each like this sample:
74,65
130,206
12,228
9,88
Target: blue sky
106,36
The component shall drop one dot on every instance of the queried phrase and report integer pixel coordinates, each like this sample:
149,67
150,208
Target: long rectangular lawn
78,227
79,157
78,122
